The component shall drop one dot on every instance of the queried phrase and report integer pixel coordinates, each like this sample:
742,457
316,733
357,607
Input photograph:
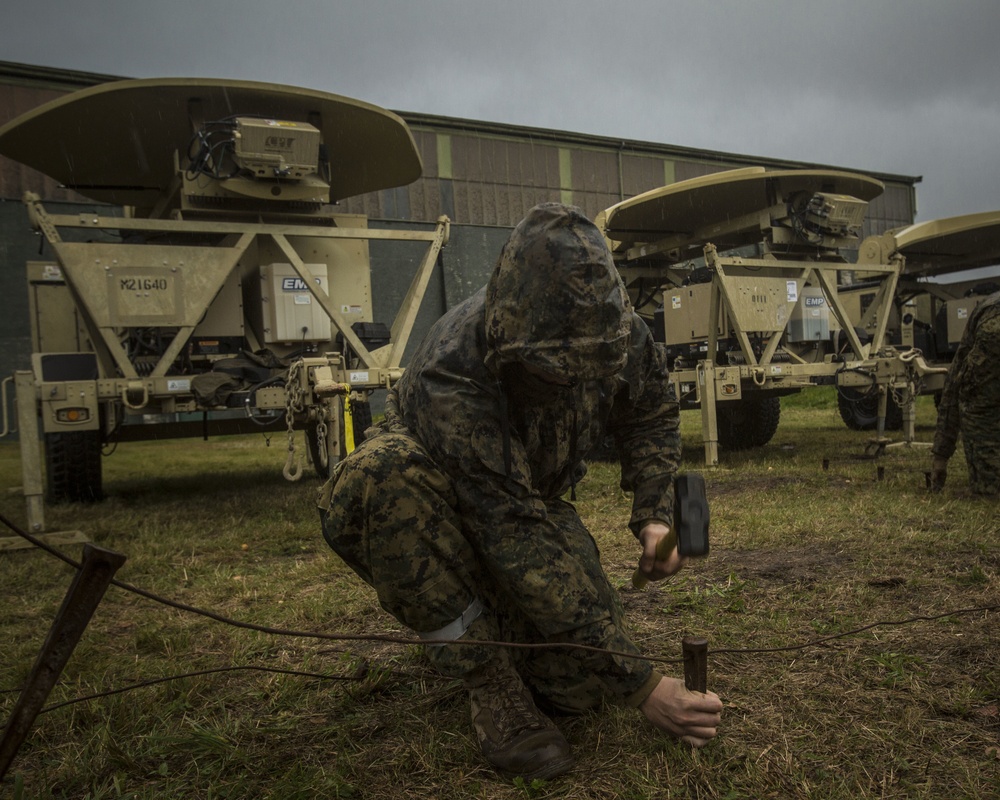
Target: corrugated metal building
489,174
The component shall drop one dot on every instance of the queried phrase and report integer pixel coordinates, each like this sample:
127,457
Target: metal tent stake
84,595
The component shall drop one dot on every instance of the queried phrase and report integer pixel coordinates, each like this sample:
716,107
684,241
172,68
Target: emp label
358,377
183,385
295,285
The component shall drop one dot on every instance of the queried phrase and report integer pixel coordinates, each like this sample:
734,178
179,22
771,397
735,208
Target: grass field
800,553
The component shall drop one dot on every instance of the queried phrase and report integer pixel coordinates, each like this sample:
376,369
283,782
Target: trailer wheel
361,412
748,423
73,467
859,410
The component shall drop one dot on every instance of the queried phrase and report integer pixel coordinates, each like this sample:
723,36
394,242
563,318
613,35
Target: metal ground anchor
84,595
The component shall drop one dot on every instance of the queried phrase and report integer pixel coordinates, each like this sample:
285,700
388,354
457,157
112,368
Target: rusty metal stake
695,650
84,595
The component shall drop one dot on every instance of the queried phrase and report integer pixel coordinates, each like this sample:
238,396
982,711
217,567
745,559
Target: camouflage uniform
971,399
452,509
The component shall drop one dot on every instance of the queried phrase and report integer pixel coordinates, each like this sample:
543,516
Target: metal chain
293,404
321,451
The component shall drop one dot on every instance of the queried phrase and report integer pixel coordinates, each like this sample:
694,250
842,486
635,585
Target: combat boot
515,737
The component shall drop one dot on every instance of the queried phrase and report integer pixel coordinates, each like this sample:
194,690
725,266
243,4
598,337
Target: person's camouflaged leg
982,454
566,679
979,395
390,517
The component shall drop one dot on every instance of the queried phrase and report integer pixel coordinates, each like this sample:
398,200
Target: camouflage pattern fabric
971,399
457,495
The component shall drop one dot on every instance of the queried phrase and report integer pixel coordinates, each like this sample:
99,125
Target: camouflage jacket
973,385
554,302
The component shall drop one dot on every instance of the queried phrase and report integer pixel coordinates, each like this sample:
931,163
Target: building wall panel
595,172
640,173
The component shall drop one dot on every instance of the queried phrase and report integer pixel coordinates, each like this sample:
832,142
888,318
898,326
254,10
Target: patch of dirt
798,565
802,567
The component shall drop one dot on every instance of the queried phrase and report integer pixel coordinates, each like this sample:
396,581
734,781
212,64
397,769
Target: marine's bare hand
650,566
691,716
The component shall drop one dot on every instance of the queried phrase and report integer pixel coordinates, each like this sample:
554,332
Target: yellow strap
348,423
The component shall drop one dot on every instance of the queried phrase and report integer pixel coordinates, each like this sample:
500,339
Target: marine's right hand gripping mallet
690,529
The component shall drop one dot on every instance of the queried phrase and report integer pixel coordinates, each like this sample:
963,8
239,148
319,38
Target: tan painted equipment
933,297
743,274
220,290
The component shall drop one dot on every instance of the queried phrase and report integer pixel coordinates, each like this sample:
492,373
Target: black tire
748,423
73,467
361,416
859,410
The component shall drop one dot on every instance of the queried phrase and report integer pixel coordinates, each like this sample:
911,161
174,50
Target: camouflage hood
555,300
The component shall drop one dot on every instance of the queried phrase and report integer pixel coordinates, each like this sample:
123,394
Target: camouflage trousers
982,452
390,514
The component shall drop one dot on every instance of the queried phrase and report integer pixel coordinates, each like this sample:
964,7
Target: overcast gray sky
903,86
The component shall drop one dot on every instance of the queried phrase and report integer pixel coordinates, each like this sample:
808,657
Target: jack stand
31,471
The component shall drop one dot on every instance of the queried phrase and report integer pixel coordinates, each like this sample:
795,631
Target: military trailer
219,290
739,273
933,297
